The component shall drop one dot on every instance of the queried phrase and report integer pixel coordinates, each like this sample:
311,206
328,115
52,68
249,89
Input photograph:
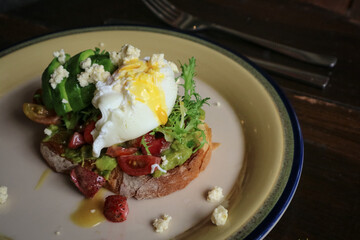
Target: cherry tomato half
115,151
155,145
137,165
38,113
87,132
76,140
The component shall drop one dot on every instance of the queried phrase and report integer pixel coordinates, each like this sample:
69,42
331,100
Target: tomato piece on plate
86,181
137,165
38,113
76,140
155,145
116,208
87,132
115,151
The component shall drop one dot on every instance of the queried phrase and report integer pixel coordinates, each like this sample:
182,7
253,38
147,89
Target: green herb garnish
183,122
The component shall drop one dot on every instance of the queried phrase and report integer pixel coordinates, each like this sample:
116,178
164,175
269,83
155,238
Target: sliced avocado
76,97
60,99
176,155
47,90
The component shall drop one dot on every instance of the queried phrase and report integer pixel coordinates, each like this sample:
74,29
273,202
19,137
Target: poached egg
136,98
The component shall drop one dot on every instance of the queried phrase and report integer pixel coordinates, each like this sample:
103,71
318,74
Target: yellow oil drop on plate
90,211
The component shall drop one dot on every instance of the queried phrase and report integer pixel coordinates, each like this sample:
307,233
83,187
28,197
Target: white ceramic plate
258,163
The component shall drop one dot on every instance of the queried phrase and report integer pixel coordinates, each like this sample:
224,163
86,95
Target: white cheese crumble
219,216
157,60
164,161
57,76
64,100
3,194
60,55
126,54
215,194
154,166
86,63
47,131
161,224
92,74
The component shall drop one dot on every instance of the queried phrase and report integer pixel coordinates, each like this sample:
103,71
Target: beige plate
248,118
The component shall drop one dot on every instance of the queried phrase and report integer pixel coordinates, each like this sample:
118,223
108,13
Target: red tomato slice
137,165
76,141
87,132
155,145
115,151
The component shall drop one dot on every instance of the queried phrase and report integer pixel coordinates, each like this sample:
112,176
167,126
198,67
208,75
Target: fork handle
309,78
305,56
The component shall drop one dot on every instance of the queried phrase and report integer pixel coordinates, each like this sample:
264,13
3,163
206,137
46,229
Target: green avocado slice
76,96
47,90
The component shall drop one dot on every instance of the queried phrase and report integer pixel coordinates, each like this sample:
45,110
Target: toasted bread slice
142,187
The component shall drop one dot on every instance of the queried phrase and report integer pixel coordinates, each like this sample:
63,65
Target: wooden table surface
326,203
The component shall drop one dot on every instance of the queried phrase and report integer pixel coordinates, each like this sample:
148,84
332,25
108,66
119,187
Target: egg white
123,116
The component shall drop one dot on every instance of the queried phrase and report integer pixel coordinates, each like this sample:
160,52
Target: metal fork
185,21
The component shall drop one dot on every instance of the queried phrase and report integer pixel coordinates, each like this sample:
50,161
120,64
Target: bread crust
142,187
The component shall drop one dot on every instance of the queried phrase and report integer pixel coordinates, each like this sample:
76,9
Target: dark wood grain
326,204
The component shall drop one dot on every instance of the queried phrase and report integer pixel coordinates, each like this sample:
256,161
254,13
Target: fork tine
153,5
169,7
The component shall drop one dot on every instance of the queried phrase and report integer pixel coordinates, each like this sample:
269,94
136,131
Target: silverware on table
185,21
309,78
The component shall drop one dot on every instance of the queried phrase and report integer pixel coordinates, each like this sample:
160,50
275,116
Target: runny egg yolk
143,82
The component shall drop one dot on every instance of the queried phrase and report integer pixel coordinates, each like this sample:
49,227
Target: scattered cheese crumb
93,74
101,44
126,54
219,216
215,195
47,131
57,233
60,55
3,194
164,161
86,63
161,224
157,60
217,104
64,100
58,75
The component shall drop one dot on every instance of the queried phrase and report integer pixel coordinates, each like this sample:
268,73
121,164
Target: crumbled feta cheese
161,224
64,100
217,104
219,216
154,166
95,73
3,194
157,60
58,75
215,194
101,44
60,55
126,54
47,131
164,161
86,63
